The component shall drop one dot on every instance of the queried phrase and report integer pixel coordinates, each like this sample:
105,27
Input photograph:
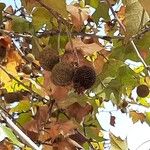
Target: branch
55,13
116,17
22,136
138,54
28,88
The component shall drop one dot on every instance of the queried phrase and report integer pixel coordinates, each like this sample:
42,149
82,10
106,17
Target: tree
56,70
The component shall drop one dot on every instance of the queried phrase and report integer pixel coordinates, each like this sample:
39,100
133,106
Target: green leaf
101,11
59,6
11,136
133,17
24,118
22,106
110,68
126,76
20,25
2,6
148,118
117,143
36,48
40,17
92,3
146,5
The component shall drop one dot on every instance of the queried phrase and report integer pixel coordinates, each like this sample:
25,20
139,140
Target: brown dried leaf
42,114
86,49
9,10
5,145
32,129
79,112
121,13
59,93
78,16
64,144
57,128
137,116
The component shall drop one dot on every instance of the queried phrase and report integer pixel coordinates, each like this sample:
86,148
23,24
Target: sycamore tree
59,63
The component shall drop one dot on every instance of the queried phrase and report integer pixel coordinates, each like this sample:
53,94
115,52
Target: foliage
59,116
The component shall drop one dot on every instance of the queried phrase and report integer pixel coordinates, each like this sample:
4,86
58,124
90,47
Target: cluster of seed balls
64,74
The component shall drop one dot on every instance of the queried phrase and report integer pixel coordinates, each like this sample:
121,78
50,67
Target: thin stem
28,88
116,17
22,136
138,54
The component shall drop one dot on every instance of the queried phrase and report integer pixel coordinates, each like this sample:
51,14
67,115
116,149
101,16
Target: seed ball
62,74
27,69
30,57
84,78
142,90
48,59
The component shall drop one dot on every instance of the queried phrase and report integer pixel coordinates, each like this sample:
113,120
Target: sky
136,133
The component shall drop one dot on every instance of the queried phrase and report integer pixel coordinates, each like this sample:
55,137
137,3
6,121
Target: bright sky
136,133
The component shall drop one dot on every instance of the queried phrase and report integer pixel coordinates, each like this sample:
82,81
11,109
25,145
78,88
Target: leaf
86,49
133,18
148,118
79,112
117,143
78,15
36,48
101,11
55,129
2,6
137,116
21,107
20,25
11,136
145,4
40,16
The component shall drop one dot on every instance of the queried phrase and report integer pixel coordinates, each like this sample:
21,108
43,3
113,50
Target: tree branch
116,17
22,136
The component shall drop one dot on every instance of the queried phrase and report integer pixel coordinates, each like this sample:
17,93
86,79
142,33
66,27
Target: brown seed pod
142,90
27,69
30,57
48,59
62,74
84,78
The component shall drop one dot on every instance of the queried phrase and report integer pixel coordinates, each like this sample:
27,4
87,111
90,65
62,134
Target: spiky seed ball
142,90
48,59
62,74
84,78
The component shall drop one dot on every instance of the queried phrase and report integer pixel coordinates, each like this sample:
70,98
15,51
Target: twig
13,34
28,88
116,17
55,13
22,136
137,52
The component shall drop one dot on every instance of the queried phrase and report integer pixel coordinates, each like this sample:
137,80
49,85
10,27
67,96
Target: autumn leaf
79,112
78,16
137,116
117,143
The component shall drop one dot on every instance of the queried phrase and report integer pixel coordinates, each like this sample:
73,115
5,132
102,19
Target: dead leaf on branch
137,116
55,129
79,112
78,15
